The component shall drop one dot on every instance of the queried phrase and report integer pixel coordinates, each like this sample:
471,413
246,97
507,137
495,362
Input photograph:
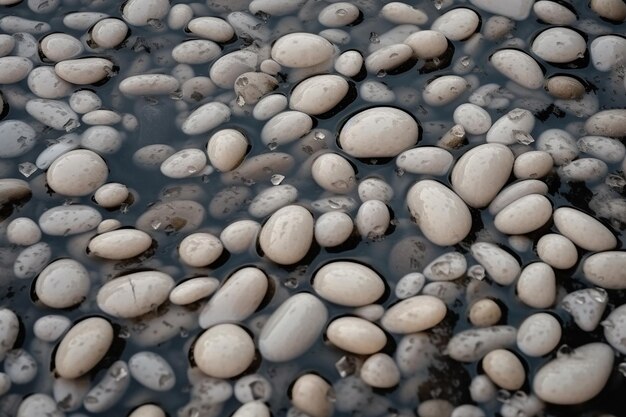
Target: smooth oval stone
224,351
538,334
269,106
283,337
39,405
200,249
206,117
583,169
211,28
500,266
427,160
32,260
474,119
134,294
481,389
427,44
77,173
533,164
444,90
272,199
62,284
196,51
615,328
111,195
582,229
607,149
184,163
378,132
334,173
516,191
375,189
565,88
504,369
610,123
239,236
69,220
349,63
606,269
380,371
84,71
356,335
414,314
237,299
388,58
348,283
106,392
607,52
524,215
226,69
148,85
252,387
287,236
557,251
18,138
300,50
60,46
120,244
51,327
44,83
519,67
409,285
481,172
559,45
142,12
441,214
318,94
554,13
14,69
586,307
338,14
536,286
23,231
152,371
333,228
109,33
484,313
193,290
559,381
372,219
226,149
471,345
310,394
9,330
457,24
286,127
53,113
82,347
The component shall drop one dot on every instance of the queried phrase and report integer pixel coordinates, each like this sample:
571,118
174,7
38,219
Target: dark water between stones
399,252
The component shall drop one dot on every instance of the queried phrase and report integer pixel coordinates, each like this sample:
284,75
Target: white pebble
224,351
83,346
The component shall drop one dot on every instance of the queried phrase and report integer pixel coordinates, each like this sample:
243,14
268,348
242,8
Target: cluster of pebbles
312,208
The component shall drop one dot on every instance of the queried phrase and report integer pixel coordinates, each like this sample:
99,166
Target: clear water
399,252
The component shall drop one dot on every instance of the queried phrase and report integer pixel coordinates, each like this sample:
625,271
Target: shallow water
156,125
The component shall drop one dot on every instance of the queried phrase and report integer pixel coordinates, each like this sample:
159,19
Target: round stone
378,132
77,173
224,351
